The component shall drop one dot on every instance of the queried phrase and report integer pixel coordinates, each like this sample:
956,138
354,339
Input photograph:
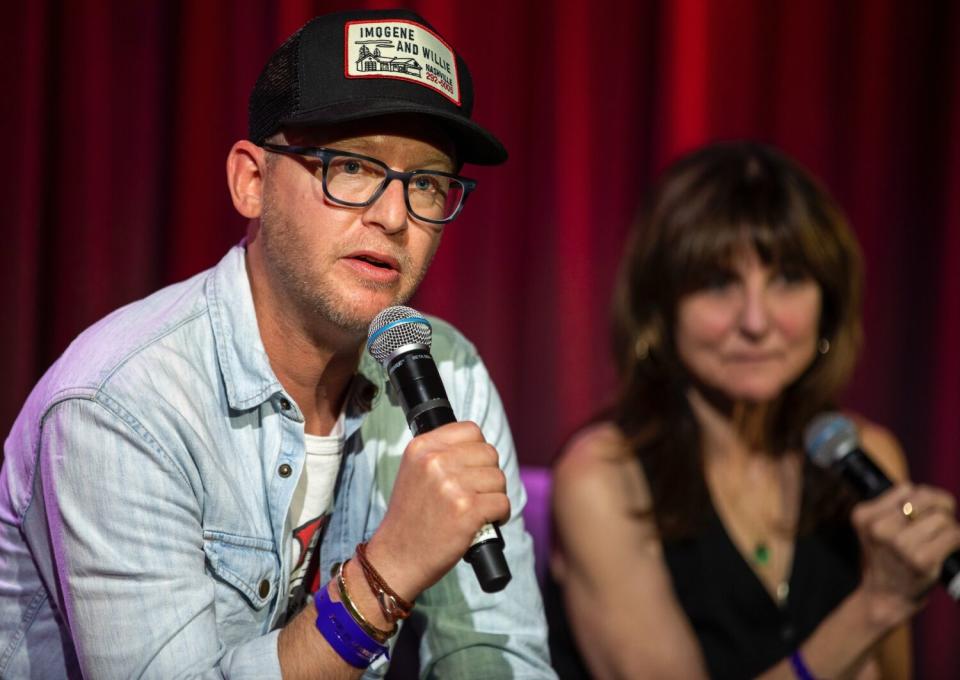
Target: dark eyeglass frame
325,154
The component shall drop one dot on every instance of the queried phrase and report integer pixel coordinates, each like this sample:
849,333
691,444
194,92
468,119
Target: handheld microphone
831,440
399,339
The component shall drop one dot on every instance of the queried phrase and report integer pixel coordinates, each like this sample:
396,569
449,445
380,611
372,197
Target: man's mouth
376,262
373,265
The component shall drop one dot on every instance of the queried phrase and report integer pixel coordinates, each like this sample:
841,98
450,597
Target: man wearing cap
216,480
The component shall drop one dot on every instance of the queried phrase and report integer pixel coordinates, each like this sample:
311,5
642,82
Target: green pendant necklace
761,553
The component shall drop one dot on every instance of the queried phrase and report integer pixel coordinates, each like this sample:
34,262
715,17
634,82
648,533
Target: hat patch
401,50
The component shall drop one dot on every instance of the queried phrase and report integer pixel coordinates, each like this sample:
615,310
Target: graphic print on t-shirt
310,509
306,572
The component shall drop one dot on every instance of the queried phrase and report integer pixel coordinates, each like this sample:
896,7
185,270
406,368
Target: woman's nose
755,315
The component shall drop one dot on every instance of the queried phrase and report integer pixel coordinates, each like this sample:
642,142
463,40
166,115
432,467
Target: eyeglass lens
356,180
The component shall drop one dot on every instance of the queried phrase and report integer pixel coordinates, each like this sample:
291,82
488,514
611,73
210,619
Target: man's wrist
402,578
363,598
379,634
347,636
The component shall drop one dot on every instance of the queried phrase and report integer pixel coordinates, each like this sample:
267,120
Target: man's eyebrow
369,148
437,160
359,144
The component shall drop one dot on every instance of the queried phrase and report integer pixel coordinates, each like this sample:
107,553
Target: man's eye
424,183
352,167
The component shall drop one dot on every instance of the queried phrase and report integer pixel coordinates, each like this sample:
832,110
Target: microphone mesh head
829,437
395,327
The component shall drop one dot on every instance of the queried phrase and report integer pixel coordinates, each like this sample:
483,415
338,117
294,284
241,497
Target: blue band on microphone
343,632
826,433
393,324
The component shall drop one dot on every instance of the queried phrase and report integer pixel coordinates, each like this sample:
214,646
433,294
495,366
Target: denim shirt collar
248,378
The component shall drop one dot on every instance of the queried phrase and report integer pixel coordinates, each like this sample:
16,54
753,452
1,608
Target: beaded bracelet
343,633
799,667
391,604
377,634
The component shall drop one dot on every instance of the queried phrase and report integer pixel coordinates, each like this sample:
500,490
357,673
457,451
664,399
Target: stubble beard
318,303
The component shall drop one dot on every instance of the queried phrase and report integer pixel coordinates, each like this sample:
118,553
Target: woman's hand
906,534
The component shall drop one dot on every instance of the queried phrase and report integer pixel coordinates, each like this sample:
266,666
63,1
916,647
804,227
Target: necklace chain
761,554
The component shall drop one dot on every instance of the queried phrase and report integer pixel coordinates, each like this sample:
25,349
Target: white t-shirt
310,508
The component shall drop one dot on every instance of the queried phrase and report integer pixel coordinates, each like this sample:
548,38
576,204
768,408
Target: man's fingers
493,507
454,433
488,480
463,454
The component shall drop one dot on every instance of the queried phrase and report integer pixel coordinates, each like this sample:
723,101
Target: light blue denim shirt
145,492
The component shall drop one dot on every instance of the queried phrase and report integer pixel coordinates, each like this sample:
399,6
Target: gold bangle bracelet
377,634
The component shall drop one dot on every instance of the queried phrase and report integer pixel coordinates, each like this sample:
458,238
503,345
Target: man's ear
245,165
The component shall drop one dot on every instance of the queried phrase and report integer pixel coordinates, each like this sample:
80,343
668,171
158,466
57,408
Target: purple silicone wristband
343,633
799,667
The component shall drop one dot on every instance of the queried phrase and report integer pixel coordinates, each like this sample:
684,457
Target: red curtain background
120,114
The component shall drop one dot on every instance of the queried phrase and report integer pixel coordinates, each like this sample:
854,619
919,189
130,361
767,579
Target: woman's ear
245,164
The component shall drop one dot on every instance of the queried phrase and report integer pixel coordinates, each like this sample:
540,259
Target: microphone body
863,474
831,440
415,379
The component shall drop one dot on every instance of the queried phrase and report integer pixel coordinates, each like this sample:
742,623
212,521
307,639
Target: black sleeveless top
741,629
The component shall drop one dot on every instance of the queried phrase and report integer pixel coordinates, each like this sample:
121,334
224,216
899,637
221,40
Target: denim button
284,470
284,403
264,588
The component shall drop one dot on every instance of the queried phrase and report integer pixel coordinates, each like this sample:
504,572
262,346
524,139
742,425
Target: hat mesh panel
277,92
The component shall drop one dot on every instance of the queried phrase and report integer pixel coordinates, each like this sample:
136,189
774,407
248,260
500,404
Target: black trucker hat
361,64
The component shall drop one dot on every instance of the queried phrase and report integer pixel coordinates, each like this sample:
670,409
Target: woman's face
752,331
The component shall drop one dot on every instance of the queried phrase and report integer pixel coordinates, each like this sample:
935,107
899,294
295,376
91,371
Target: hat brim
473,143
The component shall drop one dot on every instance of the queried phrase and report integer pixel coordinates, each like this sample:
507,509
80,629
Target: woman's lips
752,358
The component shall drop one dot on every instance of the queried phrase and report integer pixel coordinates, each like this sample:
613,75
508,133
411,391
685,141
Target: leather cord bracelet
393,606
377,634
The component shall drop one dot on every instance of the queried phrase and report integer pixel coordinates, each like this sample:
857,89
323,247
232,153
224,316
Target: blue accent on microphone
398,322
835,424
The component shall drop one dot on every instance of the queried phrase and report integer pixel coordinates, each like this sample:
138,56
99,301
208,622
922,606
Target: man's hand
448,486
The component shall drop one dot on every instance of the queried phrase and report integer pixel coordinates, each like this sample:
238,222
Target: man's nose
389,211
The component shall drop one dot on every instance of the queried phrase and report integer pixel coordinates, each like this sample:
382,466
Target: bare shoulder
598,465
598,483
596,443
883,447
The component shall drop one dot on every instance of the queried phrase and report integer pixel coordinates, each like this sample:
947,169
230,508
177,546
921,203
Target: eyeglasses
357,181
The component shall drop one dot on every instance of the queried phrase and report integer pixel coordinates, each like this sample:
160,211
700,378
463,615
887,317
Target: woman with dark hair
693,536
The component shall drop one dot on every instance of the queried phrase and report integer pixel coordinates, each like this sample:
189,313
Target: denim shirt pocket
250,565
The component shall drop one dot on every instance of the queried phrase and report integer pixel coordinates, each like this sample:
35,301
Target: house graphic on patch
374,61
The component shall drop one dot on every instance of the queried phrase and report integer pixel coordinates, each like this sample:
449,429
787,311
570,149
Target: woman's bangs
712,250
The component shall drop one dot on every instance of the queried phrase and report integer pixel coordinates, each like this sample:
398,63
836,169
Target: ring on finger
908,510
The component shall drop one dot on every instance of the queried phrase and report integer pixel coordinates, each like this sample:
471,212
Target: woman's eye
718,281
791,275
